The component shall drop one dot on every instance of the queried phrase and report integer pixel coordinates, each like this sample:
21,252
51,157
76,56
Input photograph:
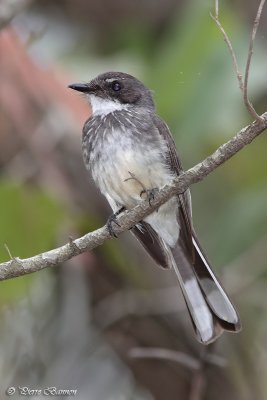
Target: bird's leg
132,176
113,219
150,194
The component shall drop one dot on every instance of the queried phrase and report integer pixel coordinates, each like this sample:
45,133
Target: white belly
126,173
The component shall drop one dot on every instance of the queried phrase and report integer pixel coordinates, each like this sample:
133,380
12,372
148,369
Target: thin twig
128,219
133,177
250,52
230,47
179,357
198,385
216,9
199,378
8,251
243,84
198,366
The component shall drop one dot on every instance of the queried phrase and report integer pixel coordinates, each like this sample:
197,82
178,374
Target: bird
131,154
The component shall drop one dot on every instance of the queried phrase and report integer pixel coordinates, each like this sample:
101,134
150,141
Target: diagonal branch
17,267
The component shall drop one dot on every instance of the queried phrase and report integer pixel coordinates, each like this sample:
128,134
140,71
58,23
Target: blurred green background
175,48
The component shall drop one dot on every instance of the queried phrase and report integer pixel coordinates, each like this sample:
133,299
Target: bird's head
113,91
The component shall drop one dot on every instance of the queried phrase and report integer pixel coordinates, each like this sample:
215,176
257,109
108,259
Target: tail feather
213,291
202,317
210,308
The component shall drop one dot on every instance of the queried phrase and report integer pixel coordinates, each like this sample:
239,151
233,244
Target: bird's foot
133,177
113,220
150,194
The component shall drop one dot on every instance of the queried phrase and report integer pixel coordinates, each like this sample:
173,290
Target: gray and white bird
130,154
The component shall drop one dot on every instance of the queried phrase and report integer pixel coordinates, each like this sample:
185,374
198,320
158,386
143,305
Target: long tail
210,309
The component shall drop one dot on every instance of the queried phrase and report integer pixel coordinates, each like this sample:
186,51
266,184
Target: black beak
80,87
91,87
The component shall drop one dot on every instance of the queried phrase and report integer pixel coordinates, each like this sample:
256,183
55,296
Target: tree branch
18,267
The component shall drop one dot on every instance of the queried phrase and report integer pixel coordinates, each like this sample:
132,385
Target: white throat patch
103,107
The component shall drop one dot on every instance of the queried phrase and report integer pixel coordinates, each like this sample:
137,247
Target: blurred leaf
29,222
196,90
114,252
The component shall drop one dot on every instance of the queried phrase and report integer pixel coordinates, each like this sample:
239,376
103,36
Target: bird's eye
116,86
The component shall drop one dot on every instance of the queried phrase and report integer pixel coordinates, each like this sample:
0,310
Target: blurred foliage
29,225
112,252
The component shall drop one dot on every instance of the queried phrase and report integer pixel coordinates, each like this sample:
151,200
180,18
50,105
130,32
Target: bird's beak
80,87
90,87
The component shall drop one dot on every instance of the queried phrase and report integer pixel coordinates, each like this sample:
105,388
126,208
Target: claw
150,194
113,220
